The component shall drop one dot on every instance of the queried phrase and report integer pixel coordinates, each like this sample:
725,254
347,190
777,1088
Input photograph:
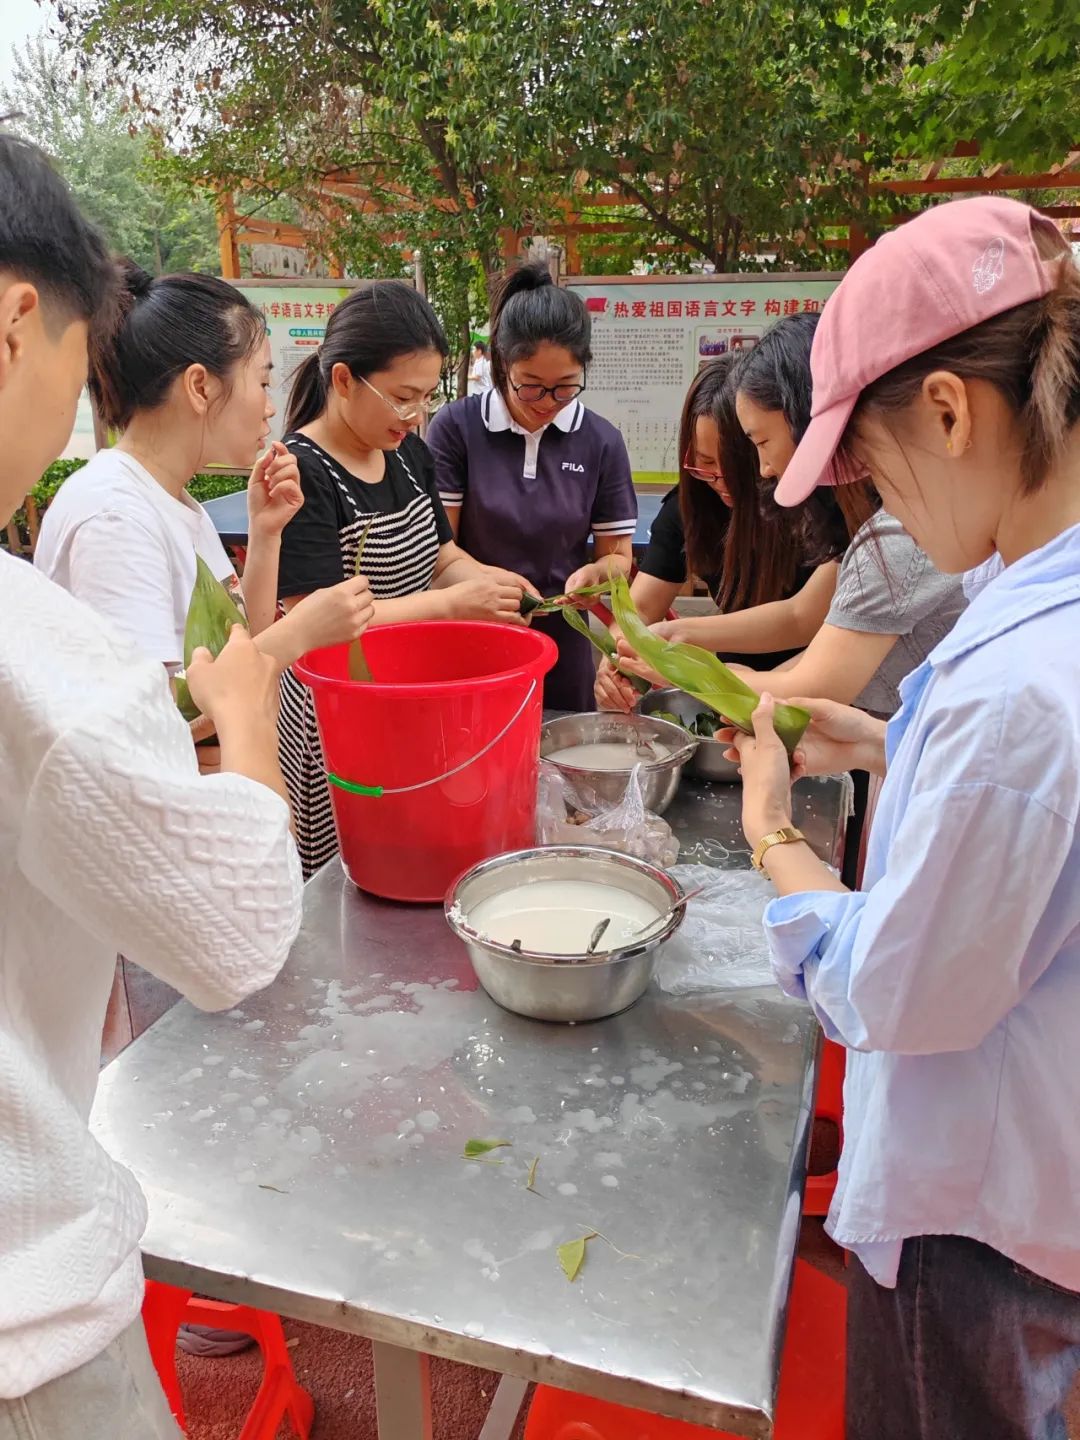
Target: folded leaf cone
211,615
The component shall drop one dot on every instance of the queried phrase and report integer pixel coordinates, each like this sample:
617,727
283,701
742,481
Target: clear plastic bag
627,827
721,943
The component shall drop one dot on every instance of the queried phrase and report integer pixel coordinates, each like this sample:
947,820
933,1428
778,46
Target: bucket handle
378,791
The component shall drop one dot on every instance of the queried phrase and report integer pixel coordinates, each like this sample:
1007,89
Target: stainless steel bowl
708,761
561,987
595,789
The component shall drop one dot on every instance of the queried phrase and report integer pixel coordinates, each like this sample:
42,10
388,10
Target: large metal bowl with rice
563,987
661,749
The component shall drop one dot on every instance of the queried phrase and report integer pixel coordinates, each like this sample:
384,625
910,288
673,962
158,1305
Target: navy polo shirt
531,502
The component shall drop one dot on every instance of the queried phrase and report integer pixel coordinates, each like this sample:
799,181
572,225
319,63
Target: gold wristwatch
787,836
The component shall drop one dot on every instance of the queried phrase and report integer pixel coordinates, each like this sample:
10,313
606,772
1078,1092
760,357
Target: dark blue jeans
968,1346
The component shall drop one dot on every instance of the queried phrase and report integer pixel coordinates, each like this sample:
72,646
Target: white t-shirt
480,375
118,541
110,841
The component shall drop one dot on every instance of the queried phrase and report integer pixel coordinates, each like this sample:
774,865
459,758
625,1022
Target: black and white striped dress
407,527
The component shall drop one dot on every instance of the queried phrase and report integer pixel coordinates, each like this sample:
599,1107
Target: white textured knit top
110,841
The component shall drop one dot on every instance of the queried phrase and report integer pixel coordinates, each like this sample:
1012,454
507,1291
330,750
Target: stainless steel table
304,1154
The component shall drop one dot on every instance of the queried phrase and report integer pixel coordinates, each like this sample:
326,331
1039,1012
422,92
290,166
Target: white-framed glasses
414,410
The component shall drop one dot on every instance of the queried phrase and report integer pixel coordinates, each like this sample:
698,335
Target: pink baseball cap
949,269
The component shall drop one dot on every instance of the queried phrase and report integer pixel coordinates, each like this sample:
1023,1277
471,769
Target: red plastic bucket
433,763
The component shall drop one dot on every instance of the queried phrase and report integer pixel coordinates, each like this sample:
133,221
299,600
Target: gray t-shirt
888,586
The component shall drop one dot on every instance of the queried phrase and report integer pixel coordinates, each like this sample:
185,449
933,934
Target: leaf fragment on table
572,1255
474,1149
530,1183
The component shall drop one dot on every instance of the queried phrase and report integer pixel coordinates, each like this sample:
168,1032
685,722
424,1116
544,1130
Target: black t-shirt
665,559
315,544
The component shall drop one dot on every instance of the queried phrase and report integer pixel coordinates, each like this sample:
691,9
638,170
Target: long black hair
45,241
165,325
379,322
530,309
756,552
775,375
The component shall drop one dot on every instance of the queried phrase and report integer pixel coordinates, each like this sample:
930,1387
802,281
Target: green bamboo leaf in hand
700,673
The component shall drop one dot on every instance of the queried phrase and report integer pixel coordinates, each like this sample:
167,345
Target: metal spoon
597,936
661,920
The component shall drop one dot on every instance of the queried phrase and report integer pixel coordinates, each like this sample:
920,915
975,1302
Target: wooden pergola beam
977,184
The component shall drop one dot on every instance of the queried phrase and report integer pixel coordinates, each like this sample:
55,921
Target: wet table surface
303,1153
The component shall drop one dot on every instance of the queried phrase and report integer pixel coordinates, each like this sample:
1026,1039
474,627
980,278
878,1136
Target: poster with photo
651,336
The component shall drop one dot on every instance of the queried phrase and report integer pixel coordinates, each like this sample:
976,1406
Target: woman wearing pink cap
948,365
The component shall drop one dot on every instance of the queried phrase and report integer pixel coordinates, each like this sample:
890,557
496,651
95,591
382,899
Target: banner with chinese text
650,337
296,317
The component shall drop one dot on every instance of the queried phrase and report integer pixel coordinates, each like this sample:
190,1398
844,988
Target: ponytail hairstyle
530,310
775,375
379,322
46,241
163,327
756,552
1030,354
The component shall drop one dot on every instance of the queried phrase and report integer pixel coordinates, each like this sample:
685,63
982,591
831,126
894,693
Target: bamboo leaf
572,1255
475,1148
530,1183
604,641
359,669
701,673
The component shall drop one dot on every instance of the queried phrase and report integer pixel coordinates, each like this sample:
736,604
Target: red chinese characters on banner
622,310
674,309
639,309
772,307
275,310
811,307
320,310
656,309
748,307
693,309
791,307
729,307
712,309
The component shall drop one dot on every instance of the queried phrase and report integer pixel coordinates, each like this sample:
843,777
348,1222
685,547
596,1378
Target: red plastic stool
810,1405
280,1395
829,1106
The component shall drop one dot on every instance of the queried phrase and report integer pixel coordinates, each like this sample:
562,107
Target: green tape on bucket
375,791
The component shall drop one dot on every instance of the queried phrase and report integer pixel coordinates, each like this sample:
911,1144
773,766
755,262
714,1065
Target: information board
296,315
651,336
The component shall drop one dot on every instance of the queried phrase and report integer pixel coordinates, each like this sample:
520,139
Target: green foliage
108,163
1004,73
732,134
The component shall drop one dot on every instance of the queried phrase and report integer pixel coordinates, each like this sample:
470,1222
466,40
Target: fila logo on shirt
576,469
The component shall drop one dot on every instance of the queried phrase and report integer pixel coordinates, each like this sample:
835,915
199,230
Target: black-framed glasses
532,394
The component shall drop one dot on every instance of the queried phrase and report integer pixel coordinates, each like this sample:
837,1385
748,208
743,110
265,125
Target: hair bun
526,277
135,279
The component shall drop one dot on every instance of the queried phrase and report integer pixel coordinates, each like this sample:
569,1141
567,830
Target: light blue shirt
954,976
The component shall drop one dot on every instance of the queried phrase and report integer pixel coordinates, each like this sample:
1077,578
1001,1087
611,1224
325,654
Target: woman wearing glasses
532,479
353,411
771,573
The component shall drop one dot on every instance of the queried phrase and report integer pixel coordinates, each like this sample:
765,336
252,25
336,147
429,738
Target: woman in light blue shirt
953,977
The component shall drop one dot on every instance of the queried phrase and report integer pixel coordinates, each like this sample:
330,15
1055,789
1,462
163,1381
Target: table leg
505,1409
402,1393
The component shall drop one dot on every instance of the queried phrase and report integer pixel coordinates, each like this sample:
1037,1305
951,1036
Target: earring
948,444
